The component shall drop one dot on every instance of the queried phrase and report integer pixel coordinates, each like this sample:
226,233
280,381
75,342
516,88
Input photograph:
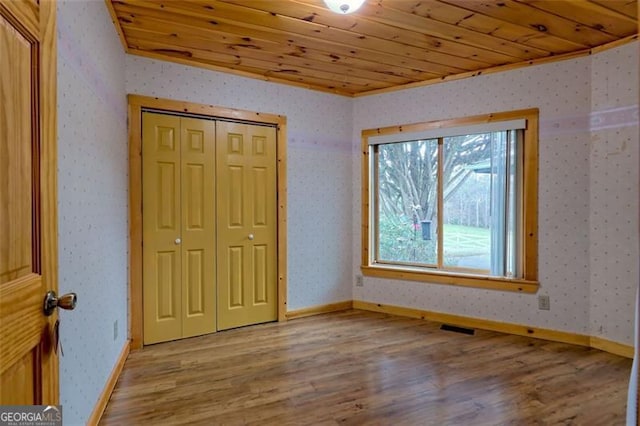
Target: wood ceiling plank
387,44
253,43
255,74
251,19
274,68
319,14
626,7
291,73
445,25
155,20
286,56
524,15
590,14
532,40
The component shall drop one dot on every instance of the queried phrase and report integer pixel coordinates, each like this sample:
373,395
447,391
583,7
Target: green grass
401,242
466,240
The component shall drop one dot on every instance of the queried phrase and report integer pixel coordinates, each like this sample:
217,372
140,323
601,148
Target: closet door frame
139,103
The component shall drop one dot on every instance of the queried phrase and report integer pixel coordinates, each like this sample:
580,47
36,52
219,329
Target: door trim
49,177
136,104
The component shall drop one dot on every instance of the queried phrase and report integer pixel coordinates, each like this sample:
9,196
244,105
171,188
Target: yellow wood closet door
178,233
247,224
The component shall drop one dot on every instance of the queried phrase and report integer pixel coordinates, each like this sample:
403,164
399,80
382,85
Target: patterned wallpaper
568,186
92,205
614,192
588,168
318,166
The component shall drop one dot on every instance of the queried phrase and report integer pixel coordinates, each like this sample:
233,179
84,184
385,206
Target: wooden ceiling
385,45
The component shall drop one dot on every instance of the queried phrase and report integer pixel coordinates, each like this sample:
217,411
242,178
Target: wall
92,204
318,166
613,203
563,92
588,257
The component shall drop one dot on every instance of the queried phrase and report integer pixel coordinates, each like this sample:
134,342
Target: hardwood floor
359,367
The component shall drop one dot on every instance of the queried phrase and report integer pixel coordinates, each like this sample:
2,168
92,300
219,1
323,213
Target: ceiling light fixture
344,6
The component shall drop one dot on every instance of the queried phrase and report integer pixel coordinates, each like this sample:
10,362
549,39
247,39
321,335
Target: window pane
467,175
407,176
514,203
452,204
499,188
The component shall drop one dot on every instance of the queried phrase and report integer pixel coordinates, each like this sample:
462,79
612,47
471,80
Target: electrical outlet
359,281
544,303
115,329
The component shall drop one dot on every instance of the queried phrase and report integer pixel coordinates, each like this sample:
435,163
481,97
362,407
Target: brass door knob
52,301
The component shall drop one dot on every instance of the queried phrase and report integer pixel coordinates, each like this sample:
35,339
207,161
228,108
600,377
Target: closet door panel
161,218
247,224
198,226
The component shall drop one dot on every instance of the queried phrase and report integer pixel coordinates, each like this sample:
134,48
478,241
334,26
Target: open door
28,219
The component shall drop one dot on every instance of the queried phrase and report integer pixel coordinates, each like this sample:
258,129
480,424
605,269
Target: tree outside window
452,203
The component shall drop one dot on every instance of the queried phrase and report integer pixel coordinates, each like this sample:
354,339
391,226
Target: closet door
178,183
198,226
161,223
247,224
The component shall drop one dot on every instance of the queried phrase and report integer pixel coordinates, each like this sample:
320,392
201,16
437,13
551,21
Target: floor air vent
462,330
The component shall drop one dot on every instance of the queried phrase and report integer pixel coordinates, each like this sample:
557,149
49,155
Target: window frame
529,281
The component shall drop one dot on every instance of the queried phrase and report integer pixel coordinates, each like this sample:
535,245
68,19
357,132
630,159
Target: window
453,201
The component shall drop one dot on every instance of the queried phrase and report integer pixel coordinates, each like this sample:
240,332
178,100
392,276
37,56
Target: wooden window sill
451,278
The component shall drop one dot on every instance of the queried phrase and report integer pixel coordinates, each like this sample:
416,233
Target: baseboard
320,309
459,320
101,404
502,327
610,346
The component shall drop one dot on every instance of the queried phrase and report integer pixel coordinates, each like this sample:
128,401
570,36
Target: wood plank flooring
359,368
